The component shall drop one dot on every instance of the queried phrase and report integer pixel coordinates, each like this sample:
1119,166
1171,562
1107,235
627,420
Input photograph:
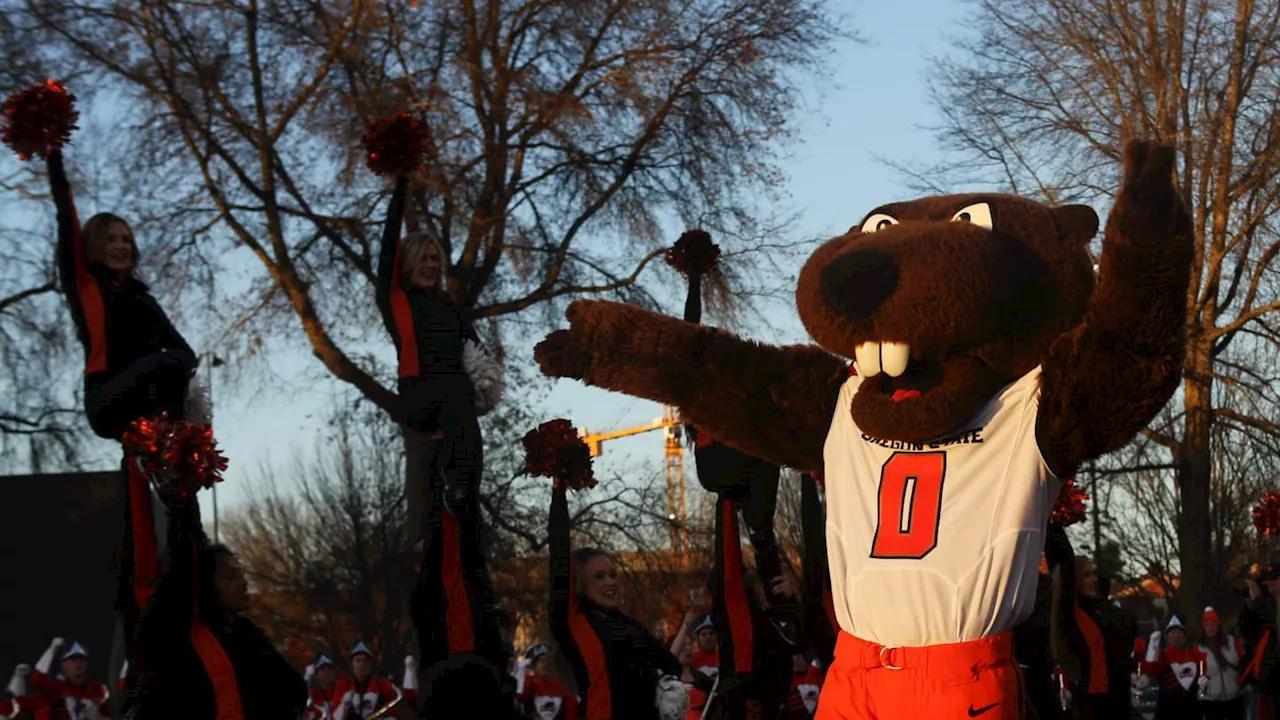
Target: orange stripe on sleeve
403,316
146,554
599,694
226,693
458,603
735,589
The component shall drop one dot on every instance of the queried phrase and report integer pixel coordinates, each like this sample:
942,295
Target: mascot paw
561,354
566,353
1148,179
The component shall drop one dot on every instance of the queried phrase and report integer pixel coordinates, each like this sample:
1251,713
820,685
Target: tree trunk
1194,463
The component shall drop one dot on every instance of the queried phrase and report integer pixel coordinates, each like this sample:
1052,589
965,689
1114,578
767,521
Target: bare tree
1040,98
567,131
322,544
40,426
1140,505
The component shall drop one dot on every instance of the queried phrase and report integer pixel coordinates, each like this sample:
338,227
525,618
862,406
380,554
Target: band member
69,697
321,678
362,694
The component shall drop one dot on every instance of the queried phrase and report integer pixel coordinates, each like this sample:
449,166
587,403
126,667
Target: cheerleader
440,402
1178,668
360,696
69,697
615,661
199,656
137,365
754,629
462,653
819,611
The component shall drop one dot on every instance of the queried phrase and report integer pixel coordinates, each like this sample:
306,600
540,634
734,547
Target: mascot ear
1077,224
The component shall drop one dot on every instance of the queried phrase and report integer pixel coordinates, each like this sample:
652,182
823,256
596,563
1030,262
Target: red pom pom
1070,507
398,144
555,450
180,457
694,254
38,119
1266,514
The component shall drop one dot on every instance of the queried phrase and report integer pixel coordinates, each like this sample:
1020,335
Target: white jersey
938,542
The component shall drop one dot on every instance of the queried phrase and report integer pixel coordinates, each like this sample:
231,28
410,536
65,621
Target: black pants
1102,706
1225,710
444,405
150,385
1177,705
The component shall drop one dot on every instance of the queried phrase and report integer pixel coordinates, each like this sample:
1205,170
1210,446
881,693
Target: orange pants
977,679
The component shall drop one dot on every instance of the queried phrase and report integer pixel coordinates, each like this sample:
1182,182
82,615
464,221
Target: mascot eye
878,221
978,214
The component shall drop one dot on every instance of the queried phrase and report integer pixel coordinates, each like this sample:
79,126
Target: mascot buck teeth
988,365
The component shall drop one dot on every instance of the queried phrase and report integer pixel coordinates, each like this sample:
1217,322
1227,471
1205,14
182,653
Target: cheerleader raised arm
200,658
136,363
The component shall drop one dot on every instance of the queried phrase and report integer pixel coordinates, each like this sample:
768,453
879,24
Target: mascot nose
857,283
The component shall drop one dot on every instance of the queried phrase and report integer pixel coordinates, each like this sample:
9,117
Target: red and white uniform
805,688
1224,682
320,705
355,700
938,542
708,663
71,701
545,698
1176,670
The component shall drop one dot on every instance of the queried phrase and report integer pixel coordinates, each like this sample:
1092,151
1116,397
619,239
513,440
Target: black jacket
427,327
1258,628
173,681
595,639
120,325
117,320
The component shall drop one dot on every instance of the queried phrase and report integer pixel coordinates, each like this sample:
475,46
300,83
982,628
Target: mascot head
944,300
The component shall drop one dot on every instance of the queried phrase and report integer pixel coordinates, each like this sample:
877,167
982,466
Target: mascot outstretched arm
1104,380
720,382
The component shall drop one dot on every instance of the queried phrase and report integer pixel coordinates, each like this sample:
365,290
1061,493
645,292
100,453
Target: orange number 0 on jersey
910,505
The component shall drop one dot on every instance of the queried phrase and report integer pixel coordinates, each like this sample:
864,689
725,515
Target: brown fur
981,307
771,402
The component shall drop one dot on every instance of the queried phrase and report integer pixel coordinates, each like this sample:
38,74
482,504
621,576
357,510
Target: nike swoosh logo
981,710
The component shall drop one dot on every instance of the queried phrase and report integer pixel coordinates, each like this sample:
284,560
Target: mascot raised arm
988,364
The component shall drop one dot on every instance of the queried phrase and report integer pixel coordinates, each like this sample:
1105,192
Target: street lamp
213,361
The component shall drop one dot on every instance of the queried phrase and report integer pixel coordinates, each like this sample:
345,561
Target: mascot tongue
902,394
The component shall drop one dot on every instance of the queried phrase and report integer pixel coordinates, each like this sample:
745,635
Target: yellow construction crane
673,454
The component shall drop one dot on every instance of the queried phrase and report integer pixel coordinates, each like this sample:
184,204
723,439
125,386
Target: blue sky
877,109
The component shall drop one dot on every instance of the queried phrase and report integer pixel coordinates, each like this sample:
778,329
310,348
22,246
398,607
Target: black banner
59,536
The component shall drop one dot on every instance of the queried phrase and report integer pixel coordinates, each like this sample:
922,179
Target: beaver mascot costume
988,364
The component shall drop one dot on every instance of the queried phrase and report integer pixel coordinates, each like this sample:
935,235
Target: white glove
309,673
57,643
485,373
18,683
409,662
671,698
